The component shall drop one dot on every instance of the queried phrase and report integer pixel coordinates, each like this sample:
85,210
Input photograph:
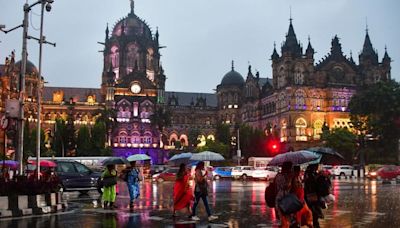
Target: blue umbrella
207,156
115,161
9,163
138,157
180,158
296,158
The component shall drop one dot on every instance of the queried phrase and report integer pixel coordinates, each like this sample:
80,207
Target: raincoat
109,193
133,184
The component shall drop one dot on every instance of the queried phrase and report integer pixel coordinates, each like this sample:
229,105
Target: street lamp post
21,120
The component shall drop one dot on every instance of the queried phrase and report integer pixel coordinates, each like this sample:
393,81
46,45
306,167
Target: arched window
299,76
300,99
281,78
283,131
301,126
318,129
282,100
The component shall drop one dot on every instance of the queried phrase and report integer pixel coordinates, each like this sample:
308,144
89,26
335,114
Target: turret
368,54
310,50
291,46
275,54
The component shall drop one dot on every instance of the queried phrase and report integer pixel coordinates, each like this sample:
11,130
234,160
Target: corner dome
232,78
30,67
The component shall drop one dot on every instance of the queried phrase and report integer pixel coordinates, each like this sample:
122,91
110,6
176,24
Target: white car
342,170
243,172
267,174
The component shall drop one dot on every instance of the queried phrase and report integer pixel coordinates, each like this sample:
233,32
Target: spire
233,65
107,32
291,45
386,58
310,49
275,54
368,51
132,6
336,48
249,73
351,57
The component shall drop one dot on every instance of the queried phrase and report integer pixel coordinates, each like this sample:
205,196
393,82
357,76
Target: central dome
232,78
132,25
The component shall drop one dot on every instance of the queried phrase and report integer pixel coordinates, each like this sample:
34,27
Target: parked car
222,172
388,172
242,172
166,175
343,170
372,173
76,176
327,170
267,173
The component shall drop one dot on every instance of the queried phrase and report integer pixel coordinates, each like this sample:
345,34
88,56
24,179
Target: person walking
183,195
311,193
133,177
109,177
283,182
304,216
201,192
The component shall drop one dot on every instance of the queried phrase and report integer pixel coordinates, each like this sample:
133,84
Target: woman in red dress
183,194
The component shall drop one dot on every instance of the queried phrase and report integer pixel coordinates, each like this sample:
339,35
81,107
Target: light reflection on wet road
237,203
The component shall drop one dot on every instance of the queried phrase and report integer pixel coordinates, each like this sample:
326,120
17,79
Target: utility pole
21,119
239,152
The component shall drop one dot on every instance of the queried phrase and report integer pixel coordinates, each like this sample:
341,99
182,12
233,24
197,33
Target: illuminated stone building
296,102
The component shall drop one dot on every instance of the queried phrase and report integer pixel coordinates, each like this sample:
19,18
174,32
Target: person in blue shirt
133,176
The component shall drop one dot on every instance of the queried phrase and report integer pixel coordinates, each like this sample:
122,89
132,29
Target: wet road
237,203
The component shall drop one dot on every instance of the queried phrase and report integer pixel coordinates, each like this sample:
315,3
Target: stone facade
296,102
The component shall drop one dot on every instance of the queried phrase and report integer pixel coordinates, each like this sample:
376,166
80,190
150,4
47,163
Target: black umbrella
325,151
115,161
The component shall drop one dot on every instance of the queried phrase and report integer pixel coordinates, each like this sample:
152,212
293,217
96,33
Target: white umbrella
207,156
138,157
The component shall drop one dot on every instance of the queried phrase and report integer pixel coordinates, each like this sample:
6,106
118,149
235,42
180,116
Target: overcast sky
202,36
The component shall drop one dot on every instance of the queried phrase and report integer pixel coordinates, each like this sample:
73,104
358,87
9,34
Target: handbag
270,194
312,197
290,204
109,181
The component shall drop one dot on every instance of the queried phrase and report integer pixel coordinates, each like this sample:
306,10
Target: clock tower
133,85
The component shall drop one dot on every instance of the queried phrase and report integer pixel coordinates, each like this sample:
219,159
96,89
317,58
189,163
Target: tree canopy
375,110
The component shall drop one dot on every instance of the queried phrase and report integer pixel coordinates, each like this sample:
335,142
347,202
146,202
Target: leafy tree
84,142
193,135
29,149
342,140
215,146
223,134
108,118
161,118
99,133
60,137
376,110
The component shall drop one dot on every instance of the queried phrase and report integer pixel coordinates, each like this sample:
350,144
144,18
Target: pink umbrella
43,163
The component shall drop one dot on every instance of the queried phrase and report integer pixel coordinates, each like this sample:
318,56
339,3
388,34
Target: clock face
135,88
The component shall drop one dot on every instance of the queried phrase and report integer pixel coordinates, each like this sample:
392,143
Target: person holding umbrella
201,192
132,176
109,178
183,194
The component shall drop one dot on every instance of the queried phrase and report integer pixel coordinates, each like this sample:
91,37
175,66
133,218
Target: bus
259,162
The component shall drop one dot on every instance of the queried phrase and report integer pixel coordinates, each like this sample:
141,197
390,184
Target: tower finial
274,45
233,65
132,6
366,25
290,18
309,39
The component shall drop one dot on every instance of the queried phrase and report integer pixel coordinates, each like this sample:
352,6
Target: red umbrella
43,163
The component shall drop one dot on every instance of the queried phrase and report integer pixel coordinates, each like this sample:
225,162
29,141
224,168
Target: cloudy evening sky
202,36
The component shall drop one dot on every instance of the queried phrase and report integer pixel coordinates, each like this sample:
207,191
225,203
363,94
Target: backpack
270,194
